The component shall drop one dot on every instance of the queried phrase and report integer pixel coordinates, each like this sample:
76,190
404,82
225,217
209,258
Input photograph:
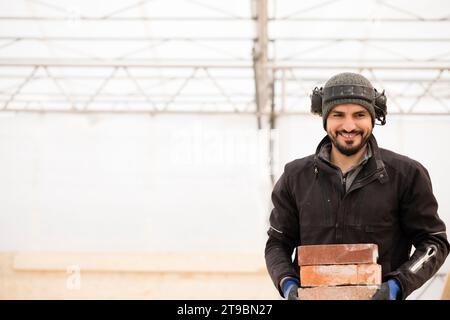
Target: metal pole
259,8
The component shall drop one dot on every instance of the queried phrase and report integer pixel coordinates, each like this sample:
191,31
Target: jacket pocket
311,234
380,234
378,228
383,236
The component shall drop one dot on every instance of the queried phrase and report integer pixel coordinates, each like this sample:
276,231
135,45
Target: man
351,191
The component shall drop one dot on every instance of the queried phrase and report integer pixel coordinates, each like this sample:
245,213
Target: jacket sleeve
283,234
421,223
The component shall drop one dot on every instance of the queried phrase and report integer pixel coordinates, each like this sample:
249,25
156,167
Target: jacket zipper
341,212
362,182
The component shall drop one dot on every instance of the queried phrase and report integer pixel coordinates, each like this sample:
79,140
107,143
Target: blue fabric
394,289
287,286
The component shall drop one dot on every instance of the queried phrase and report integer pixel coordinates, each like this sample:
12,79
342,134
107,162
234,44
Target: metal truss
271,75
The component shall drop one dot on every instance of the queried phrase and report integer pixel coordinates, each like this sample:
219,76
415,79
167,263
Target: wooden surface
446,290
36,275
135,262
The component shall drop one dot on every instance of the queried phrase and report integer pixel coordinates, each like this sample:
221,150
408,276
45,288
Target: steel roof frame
268,71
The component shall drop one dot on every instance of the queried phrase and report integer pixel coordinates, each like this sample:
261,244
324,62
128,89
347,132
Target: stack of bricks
338,272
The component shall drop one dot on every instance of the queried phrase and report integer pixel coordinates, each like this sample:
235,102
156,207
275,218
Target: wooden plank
446,290
136,262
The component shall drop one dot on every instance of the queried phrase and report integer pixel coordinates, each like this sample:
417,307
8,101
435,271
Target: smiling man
352,191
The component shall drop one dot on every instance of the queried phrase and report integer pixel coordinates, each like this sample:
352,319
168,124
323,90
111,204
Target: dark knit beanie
347,78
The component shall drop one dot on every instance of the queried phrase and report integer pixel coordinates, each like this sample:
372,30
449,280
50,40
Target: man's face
349,127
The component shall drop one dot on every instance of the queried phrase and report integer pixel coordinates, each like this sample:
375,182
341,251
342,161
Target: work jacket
390,203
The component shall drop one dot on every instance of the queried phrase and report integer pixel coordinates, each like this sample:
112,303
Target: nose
349,124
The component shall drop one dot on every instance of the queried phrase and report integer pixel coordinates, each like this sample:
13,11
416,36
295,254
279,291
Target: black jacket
390,203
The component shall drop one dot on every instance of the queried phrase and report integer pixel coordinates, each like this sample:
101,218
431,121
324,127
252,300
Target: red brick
337,254
337,293
333,275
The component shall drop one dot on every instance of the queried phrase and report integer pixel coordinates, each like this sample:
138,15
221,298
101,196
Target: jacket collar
375,162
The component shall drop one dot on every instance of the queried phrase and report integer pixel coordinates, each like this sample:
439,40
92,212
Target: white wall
131,183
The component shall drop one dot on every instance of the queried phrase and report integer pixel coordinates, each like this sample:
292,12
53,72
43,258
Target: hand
389,290
290,289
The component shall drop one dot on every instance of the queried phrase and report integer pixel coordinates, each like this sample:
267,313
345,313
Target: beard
349,149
